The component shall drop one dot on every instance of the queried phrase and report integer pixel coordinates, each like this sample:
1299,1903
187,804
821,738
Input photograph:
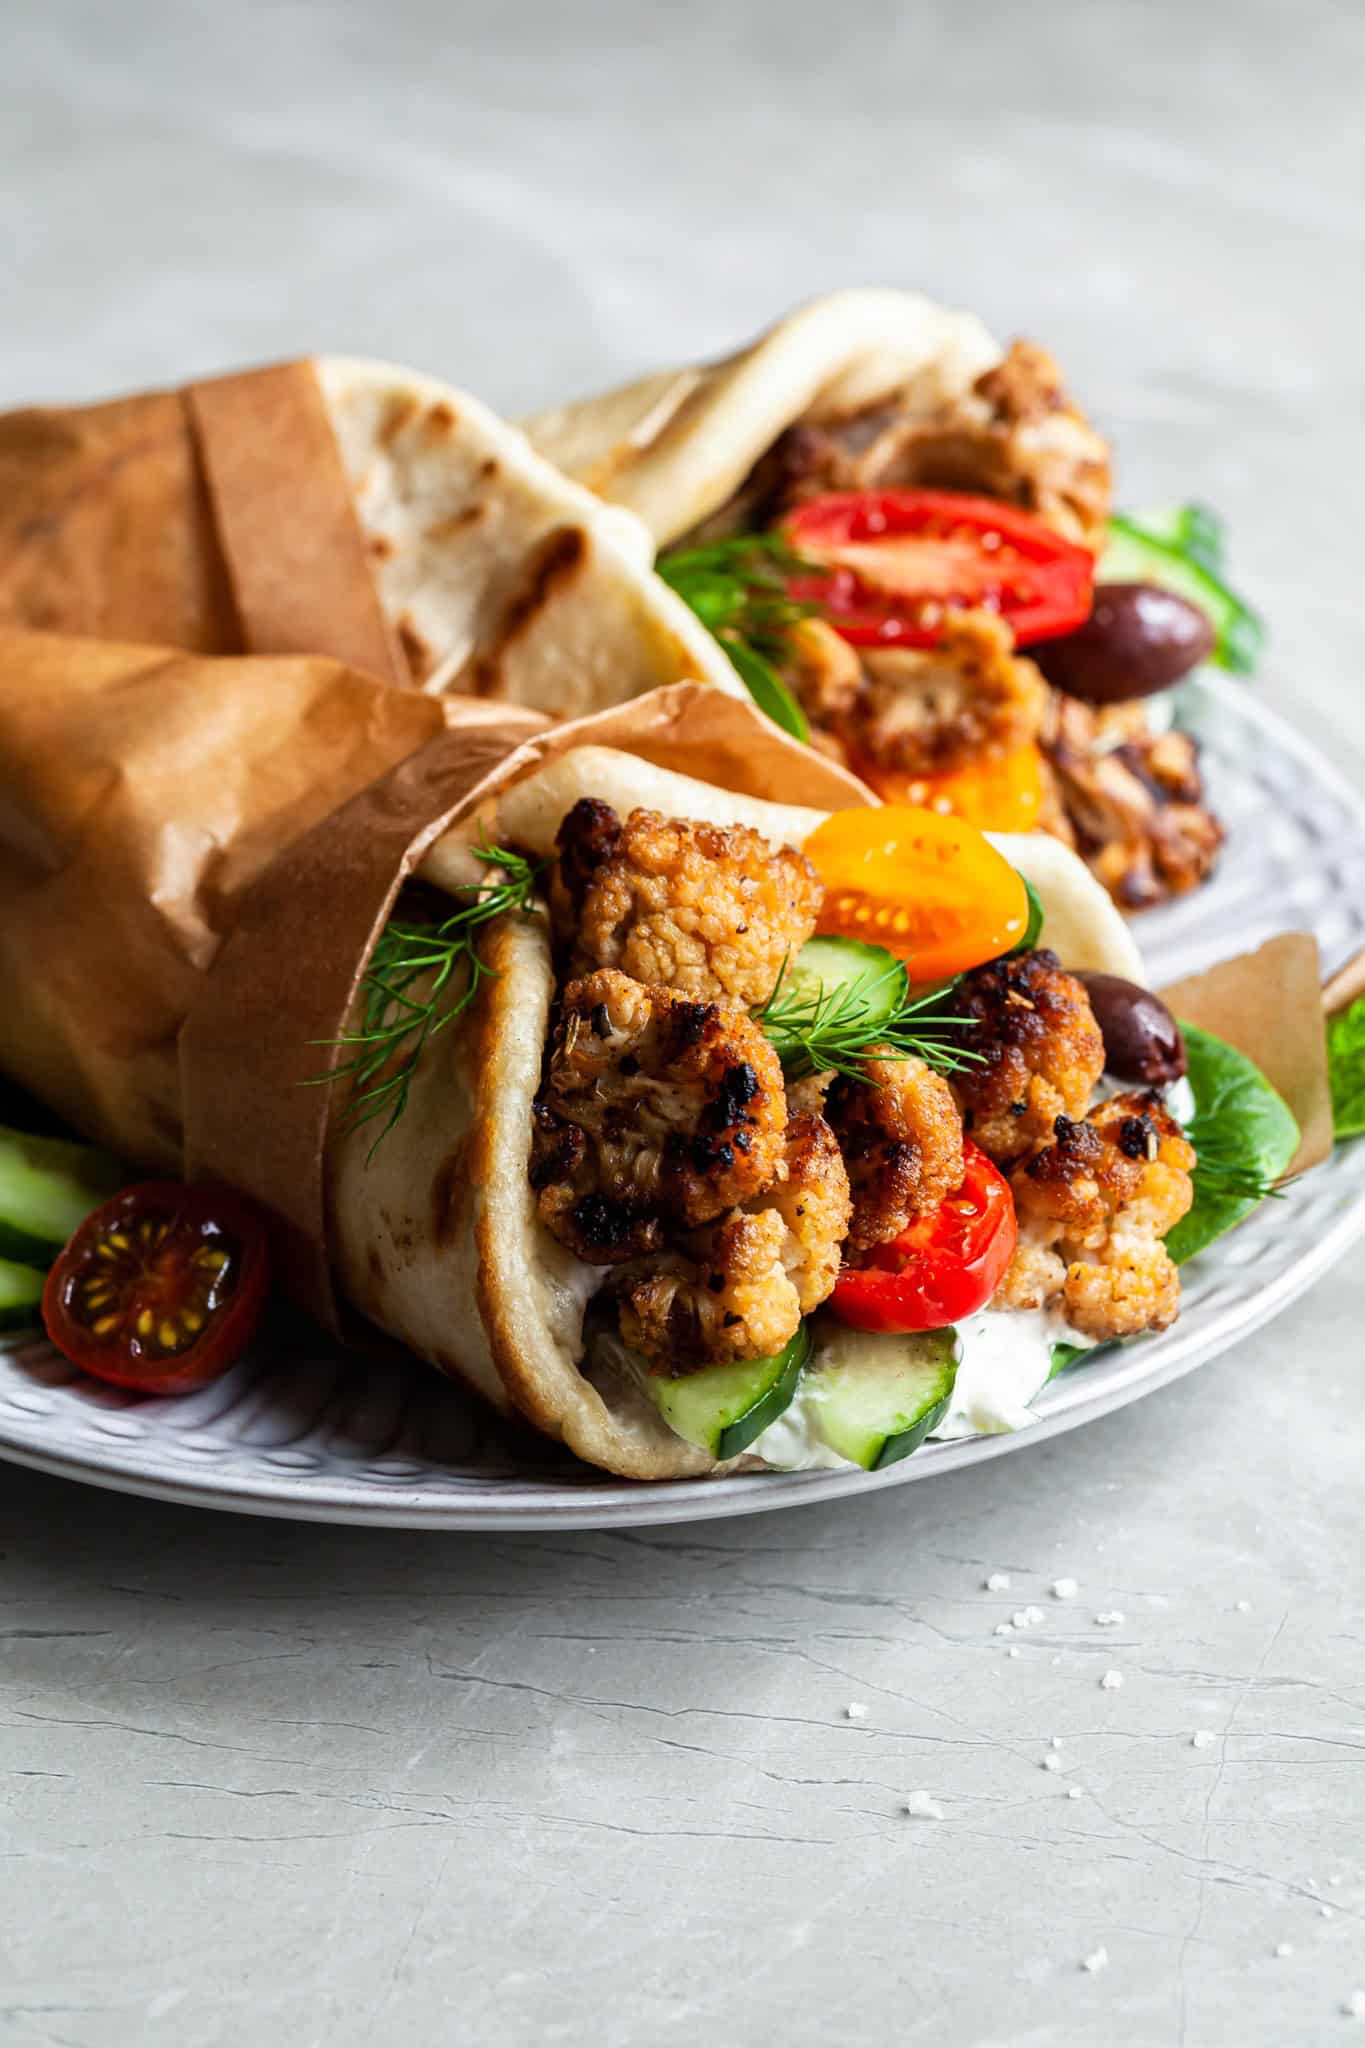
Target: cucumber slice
1193,530
21,1294
1132,556
876,980
722,1408
1064,1356
48,1186
875,1399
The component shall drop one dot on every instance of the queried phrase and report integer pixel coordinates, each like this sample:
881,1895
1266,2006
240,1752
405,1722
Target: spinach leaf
1346,1069
1064,1355
1244,1134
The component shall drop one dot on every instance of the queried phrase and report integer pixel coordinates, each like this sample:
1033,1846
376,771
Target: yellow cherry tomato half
929,888
1002,794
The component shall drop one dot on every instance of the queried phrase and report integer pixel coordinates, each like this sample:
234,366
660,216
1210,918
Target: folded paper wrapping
1269,1003
338,507
154,805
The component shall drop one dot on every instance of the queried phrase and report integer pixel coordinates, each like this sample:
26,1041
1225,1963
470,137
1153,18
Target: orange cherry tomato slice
929,888
161,1288
1000,793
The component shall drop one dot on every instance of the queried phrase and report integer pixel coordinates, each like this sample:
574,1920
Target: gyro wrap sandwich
657,1136
879,508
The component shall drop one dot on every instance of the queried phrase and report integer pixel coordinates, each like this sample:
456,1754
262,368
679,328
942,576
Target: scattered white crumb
1013,1650
1202,1738
1334,1880
1057,1659
1284,1948
998,1582
1052,1762
1111,1617
1065,1589
1244,1607
1354,2006
1111,1681
856,1710
1098,1959
1004,1628
1054,1742
1036,1616
1075,1792
1019,1619
1325,1912
921,1805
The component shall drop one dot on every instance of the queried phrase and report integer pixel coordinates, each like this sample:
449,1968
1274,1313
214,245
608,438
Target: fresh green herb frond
1218,1172
842,1029
739,589
398,1018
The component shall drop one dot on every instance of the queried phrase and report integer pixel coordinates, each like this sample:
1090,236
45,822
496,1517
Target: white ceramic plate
300,1430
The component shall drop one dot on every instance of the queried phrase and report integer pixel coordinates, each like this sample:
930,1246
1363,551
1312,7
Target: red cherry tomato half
161,1288
900,560
945,1265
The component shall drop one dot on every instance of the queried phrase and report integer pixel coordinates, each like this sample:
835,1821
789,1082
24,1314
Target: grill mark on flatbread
401,411
456,522
380,546
553,566
443,418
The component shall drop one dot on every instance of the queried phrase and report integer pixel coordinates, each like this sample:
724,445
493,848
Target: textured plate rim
610,1503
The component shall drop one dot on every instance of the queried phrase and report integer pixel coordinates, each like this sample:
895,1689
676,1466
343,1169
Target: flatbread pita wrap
340,507
435,1233
677,446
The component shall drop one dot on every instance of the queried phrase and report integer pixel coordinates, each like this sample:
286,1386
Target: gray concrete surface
280,1785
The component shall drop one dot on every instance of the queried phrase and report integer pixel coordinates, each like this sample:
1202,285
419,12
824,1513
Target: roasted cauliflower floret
929,711
814,1201
1134,800
1093,1208
901,1136
732,1298
1041,1052
656,1111
708,910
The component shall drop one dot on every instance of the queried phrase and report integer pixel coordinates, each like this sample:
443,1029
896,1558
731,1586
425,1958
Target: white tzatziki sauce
1005,1359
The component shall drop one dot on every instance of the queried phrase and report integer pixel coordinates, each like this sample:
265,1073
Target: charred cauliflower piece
739,1288
933,710
655,1111
708,910
815,1203
731,1299
901,1136
1041,1049
1134,800
1093,1208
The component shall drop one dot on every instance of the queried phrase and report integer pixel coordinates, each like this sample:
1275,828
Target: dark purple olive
1137,640
1142,1040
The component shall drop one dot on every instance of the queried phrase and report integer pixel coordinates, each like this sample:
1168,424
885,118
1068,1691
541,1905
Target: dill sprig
739,590
395,1025
818,1030
1217,1172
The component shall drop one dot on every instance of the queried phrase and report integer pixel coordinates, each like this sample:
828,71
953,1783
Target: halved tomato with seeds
896,562
162,1288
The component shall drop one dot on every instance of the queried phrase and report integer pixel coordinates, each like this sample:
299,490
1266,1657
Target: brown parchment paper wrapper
197,854
1269,1005
216,518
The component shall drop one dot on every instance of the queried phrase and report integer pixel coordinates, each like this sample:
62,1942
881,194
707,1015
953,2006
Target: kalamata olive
1137,640
1142,1040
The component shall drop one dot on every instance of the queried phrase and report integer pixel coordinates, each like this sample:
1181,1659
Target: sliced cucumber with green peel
1132,556
876,980
48,1186
1193,530
722,1408
874,1399
21,1296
